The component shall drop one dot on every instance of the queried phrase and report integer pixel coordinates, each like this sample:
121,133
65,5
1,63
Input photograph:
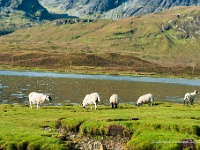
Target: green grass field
162,126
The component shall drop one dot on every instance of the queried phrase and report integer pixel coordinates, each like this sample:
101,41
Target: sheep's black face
197,92
49,98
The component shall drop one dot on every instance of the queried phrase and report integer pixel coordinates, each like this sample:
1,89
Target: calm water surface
71,88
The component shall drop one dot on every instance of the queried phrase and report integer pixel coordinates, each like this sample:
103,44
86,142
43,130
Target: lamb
91,99
114,100
144,99
38,98
190,97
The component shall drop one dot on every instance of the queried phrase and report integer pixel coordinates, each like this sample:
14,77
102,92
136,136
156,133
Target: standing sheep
114,100
144,99
190,97
38,98
91,99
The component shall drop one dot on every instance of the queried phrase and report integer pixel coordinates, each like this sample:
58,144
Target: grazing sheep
114,100
190,97
91,99
38,98
144,99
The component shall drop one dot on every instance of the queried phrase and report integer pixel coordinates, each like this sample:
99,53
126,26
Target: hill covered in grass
167,41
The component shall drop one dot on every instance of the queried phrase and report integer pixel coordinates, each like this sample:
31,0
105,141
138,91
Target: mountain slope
113,8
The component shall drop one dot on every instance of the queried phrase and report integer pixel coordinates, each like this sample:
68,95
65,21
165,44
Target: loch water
71,88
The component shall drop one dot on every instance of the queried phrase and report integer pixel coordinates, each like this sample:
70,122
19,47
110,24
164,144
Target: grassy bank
163,126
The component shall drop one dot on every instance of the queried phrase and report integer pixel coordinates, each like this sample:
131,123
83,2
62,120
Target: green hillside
165,42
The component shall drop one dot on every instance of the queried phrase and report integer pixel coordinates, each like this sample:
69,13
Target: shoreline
97,71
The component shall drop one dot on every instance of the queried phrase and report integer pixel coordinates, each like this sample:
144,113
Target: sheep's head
49,98
83,105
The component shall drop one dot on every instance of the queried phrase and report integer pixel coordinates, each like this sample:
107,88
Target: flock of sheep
94,99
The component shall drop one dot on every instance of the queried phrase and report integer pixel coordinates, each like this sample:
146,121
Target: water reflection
71,88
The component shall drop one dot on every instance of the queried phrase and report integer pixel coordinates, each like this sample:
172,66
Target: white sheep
190,97
91,99
114,100
144,99
38,98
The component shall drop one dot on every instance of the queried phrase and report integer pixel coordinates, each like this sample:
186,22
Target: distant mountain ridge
17,14
32,8
112,9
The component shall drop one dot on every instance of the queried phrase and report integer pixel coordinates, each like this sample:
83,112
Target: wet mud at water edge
71,88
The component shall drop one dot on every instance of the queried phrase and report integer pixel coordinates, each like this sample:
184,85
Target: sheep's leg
152,102
30,105
112,105
37,105
115,105
95,105
192,101
185,102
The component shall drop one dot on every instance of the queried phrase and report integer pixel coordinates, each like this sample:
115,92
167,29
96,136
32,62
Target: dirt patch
77,142
116,130
115,139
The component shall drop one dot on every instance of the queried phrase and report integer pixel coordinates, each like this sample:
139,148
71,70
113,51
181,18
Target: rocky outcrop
113,8
70,21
